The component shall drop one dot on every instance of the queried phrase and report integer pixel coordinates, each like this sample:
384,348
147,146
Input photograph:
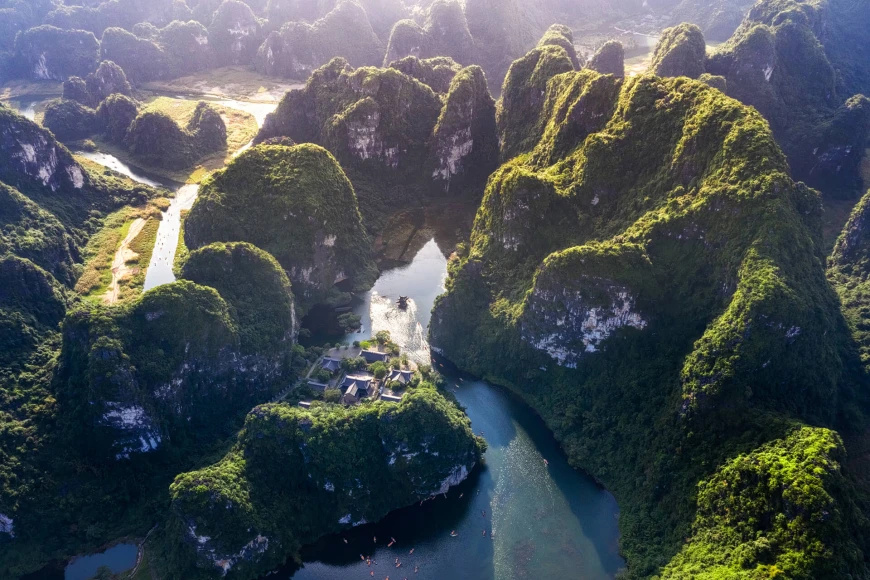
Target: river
541,521
548,521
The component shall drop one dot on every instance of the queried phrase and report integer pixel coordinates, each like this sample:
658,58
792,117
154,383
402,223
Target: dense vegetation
802,64
297,204
256,289
295,475
399,141
50,206
646,274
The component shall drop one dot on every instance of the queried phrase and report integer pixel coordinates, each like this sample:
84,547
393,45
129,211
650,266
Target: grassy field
18,89
241,129
233,82
101,249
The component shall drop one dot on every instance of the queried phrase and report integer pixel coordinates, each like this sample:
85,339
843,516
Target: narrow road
119,263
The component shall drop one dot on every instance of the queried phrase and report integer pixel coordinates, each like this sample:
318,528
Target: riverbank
232,82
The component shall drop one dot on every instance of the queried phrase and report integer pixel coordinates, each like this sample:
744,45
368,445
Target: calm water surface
548,521
118,558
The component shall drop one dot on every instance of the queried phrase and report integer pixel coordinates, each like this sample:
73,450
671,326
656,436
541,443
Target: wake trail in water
404,328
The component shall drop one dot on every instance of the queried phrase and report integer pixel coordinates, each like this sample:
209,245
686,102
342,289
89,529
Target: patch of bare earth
123,257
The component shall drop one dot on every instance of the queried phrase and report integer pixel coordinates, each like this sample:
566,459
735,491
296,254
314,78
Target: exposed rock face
570,317
522,96
436,72
295,203
609,59
795,61
622,226
299,48
70,120
34,159
141,374
444,33
235,33
681,51
374,120
49,53
220,513
464,142
375,117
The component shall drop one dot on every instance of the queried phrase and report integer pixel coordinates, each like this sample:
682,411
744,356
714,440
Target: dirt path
120,269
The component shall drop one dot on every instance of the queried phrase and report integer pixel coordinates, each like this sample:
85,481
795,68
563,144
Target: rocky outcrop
220,515
49,53
561,35
609,59
299,48
464,141
681,51
32,233
437,73
646,264
33,159
356,114
187,47
849,273
297,204
267,320
796,62
156,139
137,376
386,124
444,33
69,120
114,117
108,79
522,96
235,33
141,59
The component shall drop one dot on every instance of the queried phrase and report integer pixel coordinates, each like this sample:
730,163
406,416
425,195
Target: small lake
541,521
119,558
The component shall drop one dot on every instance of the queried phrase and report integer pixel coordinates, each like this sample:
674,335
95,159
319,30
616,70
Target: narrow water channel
541,521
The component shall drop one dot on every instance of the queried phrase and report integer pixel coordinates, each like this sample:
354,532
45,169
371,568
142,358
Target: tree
332,395
323,375
378,369
383,337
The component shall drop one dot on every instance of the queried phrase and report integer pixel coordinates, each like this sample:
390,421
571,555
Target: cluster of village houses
358,385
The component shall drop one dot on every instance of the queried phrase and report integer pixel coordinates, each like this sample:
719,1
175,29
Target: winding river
541,521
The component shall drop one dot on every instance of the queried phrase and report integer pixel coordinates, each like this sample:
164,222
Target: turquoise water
549,521
118,558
